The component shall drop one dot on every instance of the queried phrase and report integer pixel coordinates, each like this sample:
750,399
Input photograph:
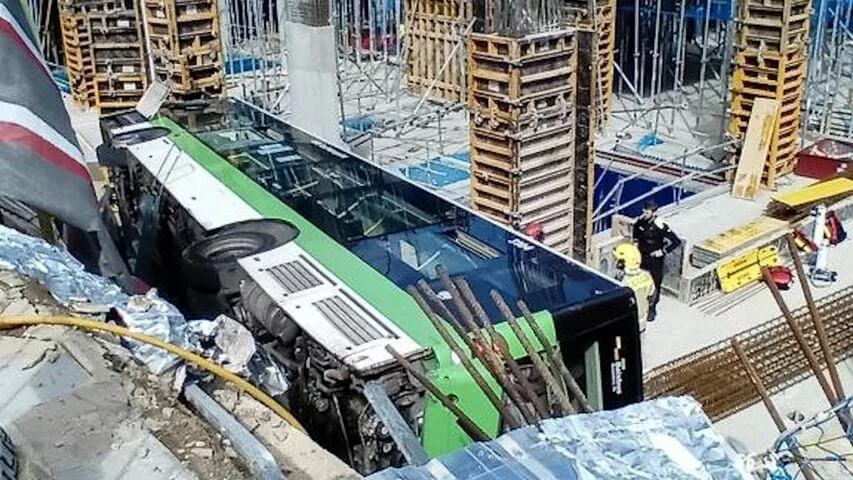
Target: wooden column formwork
576,15
770,62
184,42
434,29
118,56
76,42
586,121
104,53
521,99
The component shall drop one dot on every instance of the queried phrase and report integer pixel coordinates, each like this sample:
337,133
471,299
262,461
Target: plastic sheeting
667,438
70,284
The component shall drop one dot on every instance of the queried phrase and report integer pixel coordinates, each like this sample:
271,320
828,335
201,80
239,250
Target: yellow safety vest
643,285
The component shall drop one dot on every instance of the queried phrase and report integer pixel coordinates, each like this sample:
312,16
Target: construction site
426,239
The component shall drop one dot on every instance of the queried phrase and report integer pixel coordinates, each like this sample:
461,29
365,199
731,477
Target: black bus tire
210,263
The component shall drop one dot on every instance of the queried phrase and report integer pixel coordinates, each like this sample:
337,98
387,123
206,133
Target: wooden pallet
185,46
435,59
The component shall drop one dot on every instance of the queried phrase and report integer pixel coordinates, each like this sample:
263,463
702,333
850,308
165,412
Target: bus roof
397,227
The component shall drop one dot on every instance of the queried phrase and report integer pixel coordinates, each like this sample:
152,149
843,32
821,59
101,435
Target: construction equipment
820,275
746,269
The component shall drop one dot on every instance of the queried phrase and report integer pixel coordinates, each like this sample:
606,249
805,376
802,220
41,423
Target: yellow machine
628,261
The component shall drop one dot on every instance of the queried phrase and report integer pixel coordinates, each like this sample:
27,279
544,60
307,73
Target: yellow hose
211,367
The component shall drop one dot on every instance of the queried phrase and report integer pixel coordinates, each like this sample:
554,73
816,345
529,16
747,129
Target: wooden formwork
104,52
576,14
435,56
76,40
120,91
521,102
583,178
185,46
770,62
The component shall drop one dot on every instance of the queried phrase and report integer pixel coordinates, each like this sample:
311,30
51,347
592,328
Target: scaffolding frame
671,68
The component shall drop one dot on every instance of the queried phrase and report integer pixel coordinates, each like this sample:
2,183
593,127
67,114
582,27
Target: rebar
562,399
816,318
500,345
486,348
468,425
463,358
571,383
801,339
768,402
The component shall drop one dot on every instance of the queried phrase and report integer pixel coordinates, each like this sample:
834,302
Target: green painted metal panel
440,432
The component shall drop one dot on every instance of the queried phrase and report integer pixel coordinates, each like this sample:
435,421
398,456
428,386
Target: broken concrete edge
260,461
296,453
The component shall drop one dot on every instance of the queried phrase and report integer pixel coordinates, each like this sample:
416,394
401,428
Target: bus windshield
397,227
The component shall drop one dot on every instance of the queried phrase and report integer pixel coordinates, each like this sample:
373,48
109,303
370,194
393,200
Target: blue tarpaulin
667,438
435,173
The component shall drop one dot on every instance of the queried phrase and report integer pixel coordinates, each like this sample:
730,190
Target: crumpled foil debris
223,340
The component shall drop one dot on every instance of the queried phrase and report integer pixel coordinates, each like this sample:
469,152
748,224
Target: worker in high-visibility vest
628,260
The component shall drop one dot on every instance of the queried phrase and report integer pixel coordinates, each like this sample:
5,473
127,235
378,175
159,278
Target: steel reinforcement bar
717,378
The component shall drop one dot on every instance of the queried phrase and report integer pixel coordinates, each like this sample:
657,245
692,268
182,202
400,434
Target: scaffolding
671,68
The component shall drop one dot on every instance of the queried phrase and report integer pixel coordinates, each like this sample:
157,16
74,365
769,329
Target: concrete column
312,70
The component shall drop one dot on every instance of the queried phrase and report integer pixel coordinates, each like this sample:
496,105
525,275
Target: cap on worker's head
627,256
650,205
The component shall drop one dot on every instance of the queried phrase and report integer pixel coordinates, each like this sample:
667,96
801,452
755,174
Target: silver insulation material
225,340
70,284
666,438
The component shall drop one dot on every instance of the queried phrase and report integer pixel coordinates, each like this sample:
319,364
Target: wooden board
816,192
756,145
738,237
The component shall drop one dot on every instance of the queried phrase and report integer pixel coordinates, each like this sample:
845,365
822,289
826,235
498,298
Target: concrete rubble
78,406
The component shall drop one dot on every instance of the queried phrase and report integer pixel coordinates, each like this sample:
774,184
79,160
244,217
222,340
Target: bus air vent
294,277
353,325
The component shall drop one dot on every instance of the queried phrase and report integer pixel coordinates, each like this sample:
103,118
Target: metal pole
468,425
801,339
499,343
678,80
704,60
466,362
655,55
562,399
724,68
816,318
831,86
768,403
637,80
574,388
357,11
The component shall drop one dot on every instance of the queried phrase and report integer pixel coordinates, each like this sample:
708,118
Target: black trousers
655,268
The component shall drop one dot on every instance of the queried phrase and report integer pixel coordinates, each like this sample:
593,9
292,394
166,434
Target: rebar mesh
716,378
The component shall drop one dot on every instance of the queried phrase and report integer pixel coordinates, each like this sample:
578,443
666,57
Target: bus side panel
600,342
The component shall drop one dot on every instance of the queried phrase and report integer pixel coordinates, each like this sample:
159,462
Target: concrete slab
754,429
681,329
73,419
701,218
